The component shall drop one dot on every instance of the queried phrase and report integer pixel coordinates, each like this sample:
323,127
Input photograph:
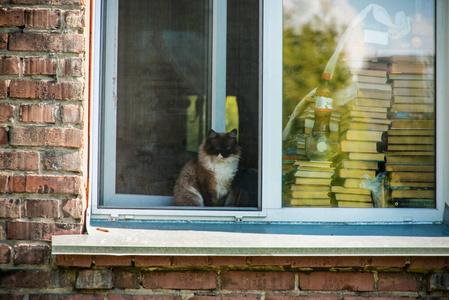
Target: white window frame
271,147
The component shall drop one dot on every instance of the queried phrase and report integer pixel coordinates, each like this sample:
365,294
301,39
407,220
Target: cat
206,180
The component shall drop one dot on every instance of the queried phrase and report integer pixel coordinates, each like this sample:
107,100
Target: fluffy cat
206,180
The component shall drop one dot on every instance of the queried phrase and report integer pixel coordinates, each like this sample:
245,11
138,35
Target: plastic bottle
318,144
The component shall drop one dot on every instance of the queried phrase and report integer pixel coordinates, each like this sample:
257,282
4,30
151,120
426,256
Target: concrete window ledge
119,241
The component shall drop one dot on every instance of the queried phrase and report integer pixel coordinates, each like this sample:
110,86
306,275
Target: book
352,125
415,92
303,187
412,193
411,132
367,72
428,84
314,174
313,181
413,203
369,79
357,146
360,164
413,124
355,183
310,194
353,197
411,68
417,76
410,147
365,64
311,163
411,140
310,202
413,176
362,135
356,173
411,107
352,204
409,184
414,99
367,156
351,106
411,115
368,120
371,102
364,114
345,190
418,160
409,168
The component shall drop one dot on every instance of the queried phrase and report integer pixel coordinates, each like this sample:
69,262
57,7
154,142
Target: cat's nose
219,155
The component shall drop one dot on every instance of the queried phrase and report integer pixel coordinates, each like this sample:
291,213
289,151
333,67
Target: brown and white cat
206,180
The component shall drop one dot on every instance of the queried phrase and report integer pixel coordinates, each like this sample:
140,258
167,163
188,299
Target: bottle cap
326,76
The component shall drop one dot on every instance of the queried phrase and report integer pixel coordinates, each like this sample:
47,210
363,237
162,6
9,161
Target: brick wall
43,112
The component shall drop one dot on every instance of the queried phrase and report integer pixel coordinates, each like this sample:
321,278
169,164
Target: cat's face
222,145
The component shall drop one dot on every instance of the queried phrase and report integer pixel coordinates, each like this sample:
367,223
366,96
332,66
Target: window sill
120,241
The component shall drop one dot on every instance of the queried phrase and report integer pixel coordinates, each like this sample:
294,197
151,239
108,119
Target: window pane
165,101
366,136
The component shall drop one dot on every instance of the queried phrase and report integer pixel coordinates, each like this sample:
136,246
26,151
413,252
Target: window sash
271,149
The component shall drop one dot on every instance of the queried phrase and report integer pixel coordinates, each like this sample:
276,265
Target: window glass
359,104
166,95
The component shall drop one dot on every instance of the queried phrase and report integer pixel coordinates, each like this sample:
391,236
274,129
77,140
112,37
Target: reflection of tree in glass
305,54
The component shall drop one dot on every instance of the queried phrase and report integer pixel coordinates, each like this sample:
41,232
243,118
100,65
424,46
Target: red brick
310,296
10,296
46,42
333,281
224,298
141,297
32,254
270,261
62,161
49,90
72,67
46,184
72,114
6,112
191,261
94,279
249,280
11,17
9,65
4,181
189,280
3,87
46,136
10,208
66,297
74,260
48,2
37,113
19,160
228,261
399,282
39,66
388,261
127,279
73,208
20,278
152,261
3,40
74,19
319,262
113,260
42,18
381,298
42,208
427,262
5,254
39,231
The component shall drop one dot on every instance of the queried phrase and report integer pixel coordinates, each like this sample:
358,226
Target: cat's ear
233,133
212,134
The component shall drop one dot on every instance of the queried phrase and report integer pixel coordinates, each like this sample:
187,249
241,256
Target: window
169,70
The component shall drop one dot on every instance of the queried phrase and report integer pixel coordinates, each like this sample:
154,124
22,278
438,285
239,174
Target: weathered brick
310,296
62,161
19,160
388,261
127,279
9,65
39,66
426,262
254,280
12,17
73,208
333,281
6,112
72,114
227,298
3,40
341,261
39,231
191,261
4,181
439,282
46,184
399,282
106,260
32,254
48,2
189,280
152,261
5,254
42,18
10,296
228,261
3,89
72,67
94,279
42,208
141,297
37,113
50,90
46,42
74,19
271,261
10,208
65,297
74,260
20,278
46,136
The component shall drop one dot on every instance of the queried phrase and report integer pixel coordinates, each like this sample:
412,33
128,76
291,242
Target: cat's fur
206,180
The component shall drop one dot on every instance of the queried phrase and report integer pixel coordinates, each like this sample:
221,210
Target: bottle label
323,102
